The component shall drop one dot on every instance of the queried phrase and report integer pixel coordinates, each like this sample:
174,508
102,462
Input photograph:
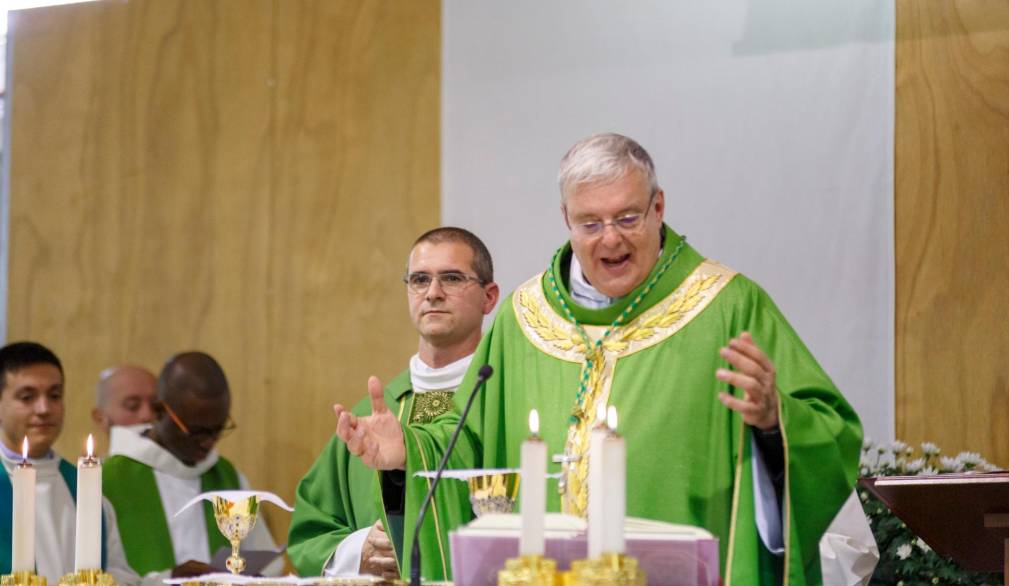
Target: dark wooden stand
961,516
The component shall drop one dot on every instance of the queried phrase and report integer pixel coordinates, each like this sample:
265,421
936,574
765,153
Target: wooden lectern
961,516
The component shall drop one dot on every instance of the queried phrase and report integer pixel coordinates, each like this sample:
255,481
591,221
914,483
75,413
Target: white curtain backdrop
770,121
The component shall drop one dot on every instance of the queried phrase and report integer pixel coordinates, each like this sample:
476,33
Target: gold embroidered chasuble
688,455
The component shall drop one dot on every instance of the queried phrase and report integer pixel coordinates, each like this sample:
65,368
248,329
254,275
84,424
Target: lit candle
23,545
615,461
89,511
534,493
597,492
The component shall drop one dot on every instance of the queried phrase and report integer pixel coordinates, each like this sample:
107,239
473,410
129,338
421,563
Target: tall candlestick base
22,579
609,569
529,570
88,578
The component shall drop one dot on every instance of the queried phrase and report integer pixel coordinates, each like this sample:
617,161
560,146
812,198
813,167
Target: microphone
485,371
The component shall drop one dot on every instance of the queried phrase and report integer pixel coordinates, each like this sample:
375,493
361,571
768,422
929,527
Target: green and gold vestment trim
430,404
554,335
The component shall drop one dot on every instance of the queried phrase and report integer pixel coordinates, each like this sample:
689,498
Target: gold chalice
494,492
235,519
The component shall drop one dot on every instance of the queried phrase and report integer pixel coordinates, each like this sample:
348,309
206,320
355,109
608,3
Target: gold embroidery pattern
558,334
555,336
645,328
575,497
430,404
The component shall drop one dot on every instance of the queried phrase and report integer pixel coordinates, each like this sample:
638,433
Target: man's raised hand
378,438
755,375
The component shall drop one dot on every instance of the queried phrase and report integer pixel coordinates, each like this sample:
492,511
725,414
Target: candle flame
91,446
611,418
600,414
534,422
24,449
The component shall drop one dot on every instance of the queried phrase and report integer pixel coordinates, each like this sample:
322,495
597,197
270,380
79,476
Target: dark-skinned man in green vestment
337,527
730,423
156,470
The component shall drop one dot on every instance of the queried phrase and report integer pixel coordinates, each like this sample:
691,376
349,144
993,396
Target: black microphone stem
485,372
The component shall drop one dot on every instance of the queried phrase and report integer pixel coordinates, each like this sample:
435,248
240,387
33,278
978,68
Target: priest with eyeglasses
729,421
337,529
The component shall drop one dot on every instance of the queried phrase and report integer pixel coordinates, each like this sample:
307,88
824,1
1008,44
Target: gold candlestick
22,579
609,569
529,570
87,578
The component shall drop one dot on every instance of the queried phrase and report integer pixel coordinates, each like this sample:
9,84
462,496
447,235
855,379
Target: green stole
131,488
689,454
336,496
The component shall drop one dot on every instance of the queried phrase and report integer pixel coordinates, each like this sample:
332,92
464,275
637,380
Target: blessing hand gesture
378,438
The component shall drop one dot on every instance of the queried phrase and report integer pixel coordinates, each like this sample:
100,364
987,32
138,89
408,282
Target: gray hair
604,158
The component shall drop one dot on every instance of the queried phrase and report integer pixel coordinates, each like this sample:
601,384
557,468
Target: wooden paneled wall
952,225
243,177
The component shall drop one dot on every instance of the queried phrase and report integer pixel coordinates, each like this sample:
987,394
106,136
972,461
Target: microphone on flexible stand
481,378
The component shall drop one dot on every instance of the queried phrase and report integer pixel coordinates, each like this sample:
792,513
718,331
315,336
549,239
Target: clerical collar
583,292
16,456
133,443
447,378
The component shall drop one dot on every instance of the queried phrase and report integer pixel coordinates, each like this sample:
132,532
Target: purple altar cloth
476,558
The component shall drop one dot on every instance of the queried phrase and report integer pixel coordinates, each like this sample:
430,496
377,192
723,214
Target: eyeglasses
450,282
625,224
200,432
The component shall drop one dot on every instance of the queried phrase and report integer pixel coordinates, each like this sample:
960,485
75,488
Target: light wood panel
952,225
242,177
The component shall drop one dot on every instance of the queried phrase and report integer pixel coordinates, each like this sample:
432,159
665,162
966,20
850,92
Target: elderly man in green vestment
337,529
730,423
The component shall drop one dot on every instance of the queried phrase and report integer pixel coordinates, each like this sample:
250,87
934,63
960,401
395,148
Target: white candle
23,543
597,475
89,512
615,461
534,493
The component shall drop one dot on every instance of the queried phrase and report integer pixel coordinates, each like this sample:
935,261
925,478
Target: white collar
131,442
447,378
45,466
583,292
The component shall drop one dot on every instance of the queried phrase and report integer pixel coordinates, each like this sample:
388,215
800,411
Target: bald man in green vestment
337,527
730,423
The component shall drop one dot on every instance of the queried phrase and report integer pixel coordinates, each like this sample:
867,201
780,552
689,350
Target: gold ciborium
235,519
494,492
22,579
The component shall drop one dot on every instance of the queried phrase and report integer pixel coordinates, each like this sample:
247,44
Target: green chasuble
338,495
133,492
688,456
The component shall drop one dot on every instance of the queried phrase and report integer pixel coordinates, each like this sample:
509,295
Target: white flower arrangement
905,559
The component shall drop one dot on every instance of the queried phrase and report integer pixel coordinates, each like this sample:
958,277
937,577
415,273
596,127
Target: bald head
124,396
192,372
